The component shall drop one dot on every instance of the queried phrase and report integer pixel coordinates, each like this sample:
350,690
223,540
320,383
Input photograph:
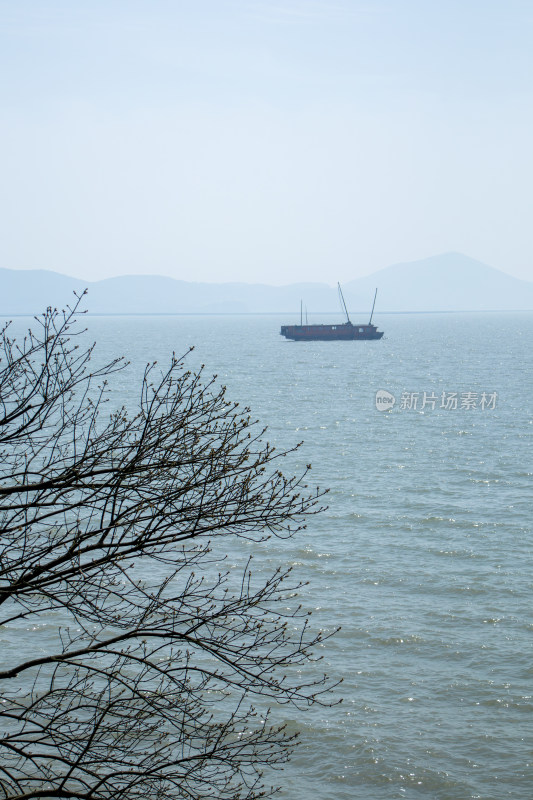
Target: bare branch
144,682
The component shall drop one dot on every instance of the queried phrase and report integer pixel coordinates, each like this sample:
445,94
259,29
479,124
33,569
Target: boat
344,331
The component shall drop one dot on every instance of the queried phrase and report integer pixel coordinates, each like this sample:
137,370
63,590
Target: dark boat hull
326,333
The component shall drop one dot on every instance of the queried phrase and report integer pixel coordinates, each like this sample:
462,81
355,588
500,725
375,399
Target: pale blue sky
264,141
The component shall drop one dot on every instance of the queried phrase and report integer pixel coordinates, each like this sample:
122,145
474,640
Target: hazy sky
264,140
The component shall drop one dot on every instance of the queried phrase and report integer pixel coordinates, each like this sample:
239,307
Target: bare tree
145,656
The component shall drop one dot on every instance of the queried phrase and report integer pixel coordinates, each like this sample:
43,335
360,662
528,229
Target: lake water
424,555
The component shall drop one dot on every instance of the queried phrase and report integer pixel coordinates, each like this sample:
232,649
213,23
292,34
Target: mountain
448,282
29,291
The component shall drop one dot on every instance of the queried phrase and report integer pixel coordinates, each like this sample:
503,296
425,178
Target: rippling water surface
424,556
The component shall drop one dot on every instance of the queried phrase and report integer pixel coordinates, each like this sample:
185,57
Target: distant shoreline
271,313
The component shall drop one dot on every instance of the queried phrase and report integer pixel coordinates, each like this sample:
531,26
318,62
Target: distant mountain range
448,282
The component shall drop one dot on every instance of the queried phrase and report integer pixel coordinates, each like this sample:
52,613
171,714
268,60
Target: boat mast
373,304
301,312
343,304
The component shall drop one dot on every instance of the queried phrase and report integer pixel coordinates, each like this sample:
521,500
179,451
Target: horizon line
268,313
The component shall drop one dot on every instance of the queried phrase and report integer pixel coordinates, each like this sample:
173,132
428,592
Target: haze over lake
209,171
449,282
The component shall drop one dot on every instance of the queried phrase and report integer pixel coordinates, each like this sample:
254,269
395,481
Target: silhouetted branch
139,685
